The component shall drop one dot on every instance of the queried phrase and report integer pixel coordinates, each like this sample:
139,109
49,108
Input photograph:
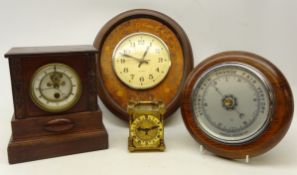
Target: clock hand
143,57
146,130
146,51
154,127
135,58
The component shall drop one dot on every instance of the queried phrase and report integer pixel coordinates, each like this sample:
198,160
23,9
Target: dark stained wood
47,147
281,117
114,94
60,133
21,51
59,125
38,127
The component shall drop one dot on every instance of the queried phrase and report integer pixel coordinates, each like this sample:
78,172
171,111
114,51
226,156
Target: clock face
141,60
147,130
55,87
232,102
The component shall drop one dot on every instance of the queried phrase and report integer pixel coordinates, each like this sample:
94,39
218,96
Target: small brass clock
146,126
144,55
237,104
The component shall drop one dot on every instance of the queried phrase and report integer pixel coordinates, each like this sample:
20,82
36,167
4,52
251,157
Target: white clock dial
141,60
232,102
55,87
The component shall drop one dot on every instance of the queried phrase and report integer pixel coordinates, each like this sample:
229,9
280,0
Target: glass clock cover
55,87
141,60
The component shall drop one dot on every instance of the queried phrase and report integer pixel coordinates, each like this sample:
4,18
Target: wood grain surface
114,94
280,120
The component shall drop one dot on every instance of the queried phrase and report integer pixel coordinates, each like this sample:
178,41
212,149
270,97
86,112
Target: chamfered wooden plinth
85,133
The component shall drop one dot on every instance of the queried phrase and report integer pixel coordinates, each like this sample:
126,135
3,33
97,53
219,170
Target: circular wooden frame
280,119
107,95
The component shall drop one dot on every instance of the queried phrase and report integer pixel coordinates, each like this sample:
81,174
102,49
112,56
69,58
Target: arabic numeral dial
141,60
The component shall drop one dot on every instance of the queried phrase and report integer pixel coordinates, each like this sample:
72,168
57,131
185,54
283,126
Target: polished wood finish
37,134
116,95
280,120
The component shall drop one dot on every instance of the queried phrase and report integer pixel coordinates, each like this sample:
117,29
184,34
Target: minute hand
143,57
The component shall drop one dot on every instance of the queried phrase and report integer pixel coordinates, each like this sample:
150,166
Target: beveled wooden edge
45,50
281,116
142,13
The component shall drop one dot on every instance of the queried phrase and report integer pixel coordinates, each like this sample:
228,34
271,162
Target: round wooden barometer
237,104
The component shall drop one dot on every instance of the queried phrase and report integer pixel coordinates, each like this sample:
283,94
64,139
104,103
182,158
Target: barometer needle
217,90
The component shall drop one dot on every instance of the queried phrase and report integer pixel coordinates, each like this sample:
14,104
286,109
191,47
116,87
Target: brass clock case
146,128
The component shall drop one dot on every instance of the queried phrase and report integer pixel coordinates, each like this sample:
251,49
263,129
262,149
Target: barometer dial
232,102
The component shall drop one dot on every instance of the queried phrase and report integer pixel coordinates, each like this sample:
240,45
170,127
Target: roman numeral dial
55,87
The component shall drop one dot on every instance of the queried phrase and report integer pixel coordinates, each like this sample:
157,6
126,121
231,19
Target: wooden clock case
116,95
280,120
37,134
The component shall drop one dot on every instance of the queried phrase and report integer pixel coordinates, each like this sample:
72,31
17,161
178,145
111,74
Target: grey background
265,27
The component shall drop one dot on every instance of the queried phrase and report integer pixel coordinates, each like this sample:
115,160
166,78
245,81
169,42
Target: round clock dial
55,87
144,55
237,104
232,102
147,130
141,60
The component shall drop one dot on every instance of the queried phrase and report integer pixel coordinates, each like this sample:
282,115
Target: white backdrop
265,27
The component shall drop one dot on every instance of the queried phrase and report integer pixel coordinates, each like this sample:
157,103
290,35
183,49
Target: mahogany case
37,134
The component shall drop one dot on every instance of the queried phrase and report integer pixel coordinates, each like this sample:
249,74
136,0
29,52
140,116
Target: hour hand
154,127
146,130
130,56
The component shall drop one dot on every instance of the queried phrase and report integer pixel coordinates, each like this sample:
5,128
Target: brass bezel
123,40
50,109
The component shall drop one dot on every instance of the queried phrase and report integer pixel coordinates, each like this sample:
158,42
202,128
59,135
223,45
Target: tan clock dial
55,87
141,60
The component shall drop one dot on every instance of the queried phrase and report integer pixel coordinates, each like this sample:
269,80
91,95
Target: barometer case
237,104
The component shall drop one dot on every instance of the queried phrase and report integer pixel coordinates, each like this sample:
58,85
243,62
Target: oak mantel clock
143,55
237,104
55,102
